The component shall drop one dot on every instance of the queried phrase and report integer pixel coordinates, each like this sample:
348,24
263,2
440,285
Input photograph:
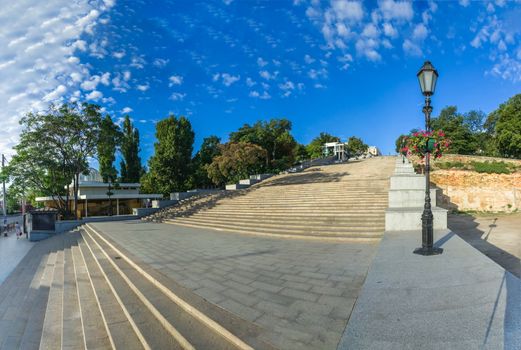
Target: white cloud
160,62
250,82
37,60
370,31
411,48
261,63
420,32
119,54
397,10
175,80
464,3
308,59
264,96
94,95
126,110
229,79
143,87
177,96
267,75
350,10
389,30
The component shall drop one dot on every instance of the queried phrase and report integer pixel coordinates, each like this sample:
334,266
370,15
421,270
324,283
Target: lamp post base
428,251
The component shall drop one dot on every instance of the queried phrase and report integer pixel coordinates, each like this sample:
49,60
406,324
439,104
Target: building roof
104,196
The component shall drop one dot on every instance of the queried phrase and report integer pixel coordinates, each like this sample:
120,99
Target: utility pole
4,208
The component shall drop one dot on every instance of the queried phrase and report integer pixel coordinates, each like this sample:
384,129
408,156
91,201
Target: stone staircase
342,201
79,291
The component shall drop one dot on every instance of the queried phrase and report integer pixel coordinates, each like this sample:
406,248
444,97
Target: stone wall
468,190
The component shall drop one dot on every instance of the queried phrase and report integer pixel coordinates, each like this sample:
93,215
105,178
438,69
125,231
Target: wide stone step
72,327
143,322
118,321
29,298
52,326
306,201
302,225
92,320
339,231
317,218
185,326
280,231
298,211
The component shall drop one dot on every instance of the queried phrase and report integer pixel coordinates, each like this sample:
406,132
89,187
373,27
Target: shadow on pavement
466,226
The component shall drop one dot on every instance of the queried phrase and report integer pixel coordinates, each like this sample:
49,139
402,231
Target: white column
117,206
86,206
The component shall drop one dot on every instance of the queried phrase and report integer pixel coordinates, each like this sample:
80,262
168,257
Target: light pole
4,208
427,76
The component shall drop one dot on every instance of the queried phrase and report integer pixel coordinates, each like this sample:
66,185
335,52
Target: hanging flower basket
420,143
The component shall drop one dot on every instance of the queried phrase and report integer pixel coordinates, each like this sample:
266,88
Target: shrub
493,167
450,165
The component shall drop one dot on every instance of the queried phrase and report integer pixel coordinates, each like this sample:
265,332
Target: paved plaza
299,292
498,236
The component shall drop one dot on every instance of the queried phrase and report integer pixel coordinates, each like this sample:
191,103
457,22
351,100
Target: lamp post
427,76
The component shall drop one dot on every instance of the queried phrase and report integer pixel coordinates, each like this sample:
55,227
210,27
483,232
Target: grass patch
493,167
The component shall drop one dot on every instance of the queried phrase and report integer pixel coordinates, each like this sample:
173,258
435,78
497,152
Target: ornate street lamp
427,76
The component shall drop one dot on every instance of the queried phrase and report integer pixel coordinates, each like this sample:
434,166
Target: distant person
17,230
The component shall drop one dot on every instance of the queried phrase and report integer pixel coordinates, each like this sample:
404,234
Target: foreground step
315,234
164,320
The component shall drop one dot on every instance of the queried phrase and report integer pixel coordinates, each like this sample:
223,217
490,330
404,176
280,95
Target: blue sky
344,67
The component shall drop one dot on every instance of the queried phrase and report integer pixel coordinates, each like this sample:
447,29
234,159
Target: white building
93,198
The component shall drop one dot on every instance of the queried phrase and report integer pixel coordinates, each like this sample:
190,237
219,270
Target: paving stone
241,297
265,286
327,290
298,294
297,285
241,310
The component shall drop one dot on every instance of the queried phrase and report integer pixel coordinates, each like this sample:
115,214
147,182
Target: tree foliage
275,137
238,160
170,166
109,138
355,146
208,151
506,123
54,150
130,166
315,148
400,142
457,129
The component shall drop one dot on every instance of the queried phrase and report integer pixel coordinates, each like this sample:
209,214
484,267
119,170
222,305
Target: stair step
72,328
327,219
309,224
284,230
95,332
194,332
359,234
117,319
52,325
24,295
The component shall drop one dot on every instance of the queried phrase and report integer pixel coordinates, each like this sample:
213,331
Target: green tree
315,148
170,166
355,146
237,161
463,141
275,137
130,166
507,126
209,150
399,143
109,139
301,153
54,150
